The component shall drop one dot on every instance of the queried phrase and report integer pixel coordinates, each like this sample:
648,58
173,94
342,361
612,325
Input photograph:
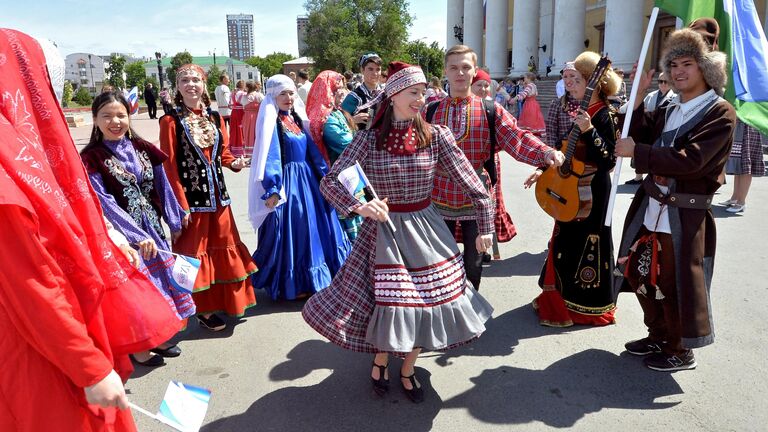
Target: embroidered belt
676,199
410,207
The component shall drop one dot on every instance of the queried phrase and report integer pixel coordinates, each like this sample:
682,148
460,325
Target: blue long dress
301,244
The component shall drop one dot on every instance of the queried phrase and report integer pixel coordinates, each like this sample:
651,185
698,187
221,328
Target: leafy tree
429,57
214,74
270,65
115,71
339,31
66,98
135,74
177,61
83,97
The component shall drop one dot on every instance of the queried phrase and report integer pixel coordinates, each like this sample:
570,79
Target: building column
624,32
455,17
473,27
525,35
570,19
496,30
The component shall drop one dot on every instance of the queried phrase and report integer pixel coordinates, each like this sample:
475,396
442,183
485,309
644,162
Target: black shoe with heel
416,393
381,385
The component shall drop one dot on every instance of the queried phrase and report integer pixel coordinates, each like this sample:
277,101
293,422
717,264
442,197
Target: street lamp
158,56
90,66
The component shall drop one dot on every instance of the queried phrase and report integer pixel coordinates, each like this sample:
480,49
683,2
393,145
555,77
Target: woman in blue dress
301,244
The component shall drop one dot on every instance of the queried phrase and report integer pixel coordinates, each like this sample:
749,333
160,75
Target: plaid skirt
400,290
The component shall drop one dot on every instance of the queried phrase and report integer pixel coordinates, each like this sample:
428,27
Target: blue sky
143,27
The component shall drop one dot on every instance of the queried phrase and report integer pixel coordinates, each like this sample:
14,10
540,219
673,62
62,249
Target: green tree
115,71
83,97
66,98
135,75
429,57
271,64
214,74
339,31
177,61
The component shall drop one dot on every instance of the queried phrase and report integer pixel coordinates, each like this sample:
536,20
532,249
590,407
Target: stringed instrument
565,192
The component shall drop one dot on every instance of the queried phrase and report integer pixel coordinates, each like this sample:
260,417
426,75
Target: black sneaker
643,347
212,323
670,363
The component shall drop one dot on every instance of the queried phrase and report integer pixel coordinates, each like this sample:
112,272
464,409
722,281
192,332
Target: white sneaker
736,208
727,202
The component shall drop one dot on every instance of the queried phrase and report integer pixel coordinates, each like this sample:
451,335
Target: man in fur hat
668,246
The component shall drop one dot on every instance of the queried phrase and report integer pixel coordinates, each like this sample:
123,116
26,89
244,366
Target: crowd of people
381,270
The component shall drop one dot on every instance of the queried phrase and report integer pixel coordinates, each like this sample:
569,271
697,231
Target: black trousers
152,110
473,260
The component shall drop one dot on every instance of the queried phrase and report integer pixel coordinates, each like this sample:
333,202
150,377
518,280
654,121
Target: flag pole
630,110
373,192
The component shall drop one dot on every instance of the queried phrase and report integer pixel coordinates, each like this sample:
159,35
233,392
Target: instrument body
564,192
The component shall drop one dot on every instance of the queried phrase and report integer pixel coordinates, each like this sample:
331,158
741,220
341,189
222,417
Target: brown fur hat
688,43
586,62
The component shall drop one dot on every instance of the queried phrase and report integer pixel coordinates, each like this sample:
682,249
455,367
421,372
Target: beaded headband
191,70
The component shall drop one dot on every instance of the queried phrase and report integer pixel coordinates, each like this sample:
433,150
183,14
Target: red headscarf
41,172
320,104
481,76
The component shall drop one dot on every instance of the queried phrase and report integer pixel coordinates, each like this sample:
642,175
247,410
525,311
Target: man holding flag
668,246
743,40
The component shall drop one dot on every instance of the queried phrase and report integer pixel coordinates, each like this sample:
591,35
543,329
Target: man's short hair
222,77
461,50
369,58
303,74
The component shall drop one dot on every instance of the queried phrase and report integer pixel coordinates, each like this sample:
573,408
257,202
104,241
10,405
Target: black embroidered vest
199,177
137,196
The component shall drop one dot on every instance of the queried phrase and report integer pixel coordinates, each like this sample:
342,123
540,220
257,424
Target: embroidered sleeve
452,160
519,143
600,141
172,210
331,187
122,221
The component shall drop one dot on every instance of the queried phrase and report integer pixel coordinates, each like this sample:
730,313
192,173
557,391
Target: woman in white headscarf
301,243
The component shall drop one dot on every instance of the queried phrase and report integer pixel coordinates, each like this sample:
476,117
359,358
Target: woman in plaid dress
745,162
403,290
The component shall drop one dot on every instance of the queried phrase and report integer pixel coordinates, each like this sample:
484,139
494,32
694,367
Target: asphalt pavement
269,371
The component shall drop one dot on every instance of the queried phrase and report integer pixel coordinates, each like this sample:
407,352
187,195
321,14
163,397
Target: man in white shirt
304,84
560,86
668,246
224,98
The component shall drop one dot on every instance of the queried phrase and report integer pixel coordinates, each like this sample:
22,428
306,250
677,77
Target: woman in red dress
196,144
71,304
531,117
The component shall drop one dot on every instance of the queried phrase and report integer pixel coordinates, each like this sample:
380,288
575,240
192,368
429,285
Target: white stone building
508,35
